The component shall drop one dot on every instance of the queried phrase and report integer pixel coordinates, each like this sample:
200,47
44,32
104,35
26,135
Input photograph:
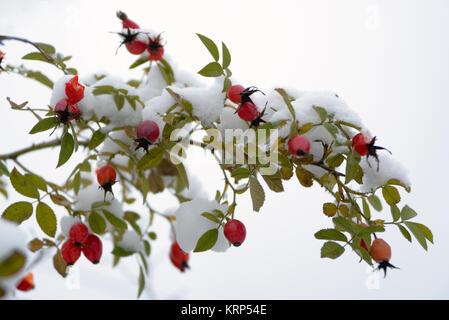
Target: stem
49,59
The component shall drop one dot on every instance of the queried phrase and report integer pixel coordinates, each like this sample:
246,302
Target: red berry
136,47
93,249
74,90
70,253
380,251
155,49
27,283
66,111
78,234
105,175
360,144
178,257
235,232
234,93
147,133
2,54
299,145
247,111
127,23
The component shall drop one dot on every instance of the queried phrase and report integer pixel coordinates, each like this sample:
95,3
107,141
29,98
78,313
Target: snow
389,168
66,224
91,194
190,225
131,241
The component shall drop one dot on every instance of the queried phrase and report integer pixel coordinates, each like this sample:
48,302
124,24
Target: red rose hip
78,234
66,111
106,176
247,111
380,251
235,232
93,249
178,257
70,253
155,48
299,145
27,283
74,90
147,133
234,93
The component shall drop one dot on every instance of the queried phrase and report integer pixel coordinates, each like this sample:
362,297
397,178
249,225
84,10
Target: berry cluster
136,44
246,109
81,240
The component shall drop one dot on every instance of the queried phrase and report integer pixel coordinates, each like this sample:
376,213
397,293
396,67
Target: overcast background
388,59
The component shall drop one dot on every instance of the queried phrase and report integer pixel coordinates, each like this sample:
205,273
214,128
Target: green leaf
226,56
274,182
240,173
59,264
304,177
344,224
331,129
330,234
426,231
395,212
391,195
210,45
151,159
39,182
72,71
321,112
35,56
141,282
257,193
335,161
67,146
183,174
375,202
405,233
4,169
329,209
370,229
18,212
138,62
23,185
99,90
12,264
77,182
207,240
213,69
97,138
97,223
40,77
366,209
119,101
46,219
353,169
120,252
331,250
408,213
114,220
211,217
47,48
417,233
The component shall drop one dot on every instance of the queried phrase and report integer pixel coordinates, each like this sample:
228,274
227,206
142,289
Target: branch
35,147
49,59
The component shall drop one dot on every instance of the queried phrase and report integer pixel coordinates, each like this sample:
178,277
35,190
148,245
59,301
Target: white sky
387,59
